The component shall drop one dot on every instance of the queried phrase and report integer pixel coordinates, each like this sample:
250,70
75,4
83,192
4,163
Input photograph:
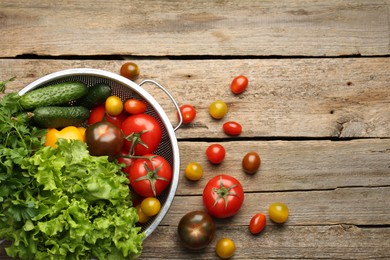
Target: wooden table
317,108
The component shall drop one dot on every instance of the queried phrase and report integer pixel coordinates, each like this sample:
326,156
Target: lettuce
72,206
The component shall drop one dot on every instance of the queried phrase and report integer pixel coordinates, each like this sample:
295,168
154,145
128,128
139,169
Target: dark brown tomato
251,162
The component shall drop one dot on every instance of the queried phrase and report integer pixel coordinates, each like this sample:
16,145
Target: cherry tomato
188,113
142,217
251,162
215,153
150,206
150,176
135,106
104,138
143,134
232,128
129,70
257,223
114,105
239,84
278,212
196,229
225,248
194,171
223,196
98,114
218,109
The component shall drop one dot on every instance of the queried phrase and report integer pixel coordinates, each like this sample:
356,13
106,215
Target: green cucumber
58,117
52,95
97,94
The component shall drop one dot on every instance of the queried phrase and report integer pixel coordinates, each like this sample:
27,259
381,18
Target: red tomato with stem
150,175
257,223
215,153
239,84
98,114
142,133
232,128
188,113
223,196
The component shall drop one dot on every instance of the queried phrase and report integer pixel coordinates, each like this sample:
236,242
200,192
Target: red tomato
232,128
257,223
215,153
223,196
149,177
188,113
98,113
239,84
143,134
124,159
135,106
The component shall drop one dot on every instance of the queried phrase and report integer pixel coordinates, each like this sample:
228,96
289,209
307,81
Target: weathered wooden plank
294,165
159,28
355,206
286,98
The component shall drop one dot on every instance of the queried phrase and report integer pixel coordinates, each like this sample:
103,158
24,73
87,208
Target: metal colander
125,88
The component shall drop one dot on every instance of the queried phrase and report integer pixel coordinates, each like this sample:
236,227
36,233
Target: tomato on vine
223,196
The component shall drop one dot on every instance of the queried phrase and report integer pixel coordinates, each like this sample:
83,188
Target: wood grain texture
315,98
160,28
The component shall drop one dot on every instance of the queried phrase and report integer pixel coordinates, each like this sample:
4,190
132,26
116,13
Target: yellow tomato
69,133
114,105
225,248
194,171
218,109
142,217
150,206
278,212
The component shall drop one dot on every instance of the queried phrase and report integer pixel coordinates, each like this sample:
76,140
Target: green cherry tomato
218,109
194,171
278,212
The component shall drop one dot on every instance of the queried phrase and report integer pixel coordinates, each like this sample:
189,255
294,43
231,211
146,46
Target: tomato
98,114
232,128
223,196
142,217
129,70
251,162
114,105
257,223
196,230
104,138
143,134
149,176
239,84
215,153
218,109
194,171
135,106
278,212
188,113
150,206
225,248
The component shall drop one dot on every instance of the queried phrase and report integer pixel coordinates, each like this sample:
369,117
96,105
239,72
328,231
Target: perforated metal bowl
125,88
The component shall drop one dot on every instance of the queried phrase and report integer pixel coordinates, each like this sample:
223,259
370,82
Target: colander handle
169,95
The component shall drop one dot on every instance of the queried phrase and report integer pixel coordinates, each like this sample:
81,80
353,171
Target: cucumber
52,95
58,117
96,95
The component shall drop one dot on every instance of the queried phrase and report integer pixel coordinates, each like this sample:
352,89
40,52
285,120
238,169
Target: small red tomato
232,128
215,153
188,113
239,84
135,106
98,114
257,223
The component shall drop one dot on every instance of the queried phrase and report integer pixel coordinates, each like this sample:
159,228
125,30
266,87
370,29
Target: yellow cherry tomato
225,248
142,217
218,109
194,171
69,133
114,105
150,206
278,212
